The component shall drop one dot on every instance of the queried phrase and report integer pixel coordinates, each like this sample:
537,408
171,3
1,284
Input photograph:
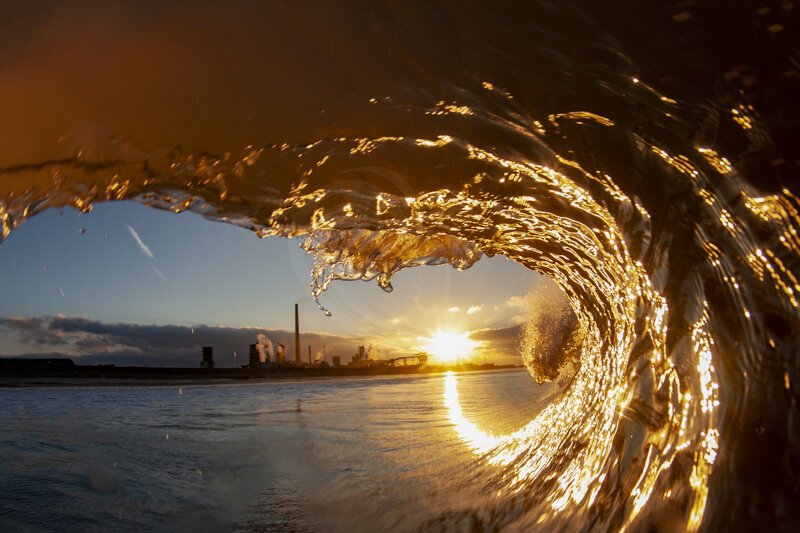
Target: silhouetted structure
361,359
280,355
255,356
420,358
208,357
296,337
18,372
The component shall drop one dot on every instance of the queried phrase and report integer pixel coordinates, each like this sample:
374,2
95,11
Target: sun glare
449,346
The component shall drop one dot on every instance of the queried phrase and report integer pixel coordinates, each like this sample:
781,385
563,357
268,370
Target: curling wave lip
566,137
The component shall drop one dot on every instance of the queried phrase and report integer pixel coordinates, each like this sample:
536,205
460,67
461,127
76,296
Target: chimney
296,337
255,358
208,357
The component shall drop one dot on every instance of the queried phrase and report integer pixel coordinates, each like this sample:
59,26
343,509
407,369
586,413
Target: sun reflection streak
477,440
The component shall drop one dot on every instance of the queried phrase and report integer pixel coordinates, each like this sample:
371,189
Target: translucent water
644,159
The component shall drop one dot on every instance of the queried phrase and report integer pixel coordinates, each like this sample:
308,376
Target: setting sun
449,346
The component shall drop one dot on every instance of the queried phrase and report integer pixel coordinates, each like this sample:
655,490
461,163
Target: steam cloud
264,347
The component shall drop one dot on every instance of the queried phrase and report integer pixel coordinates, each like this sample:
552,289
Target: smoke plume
264,347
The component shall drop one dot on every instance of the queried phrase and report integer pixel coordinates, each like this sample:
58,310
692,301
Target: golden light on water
450,346
478,441
640,418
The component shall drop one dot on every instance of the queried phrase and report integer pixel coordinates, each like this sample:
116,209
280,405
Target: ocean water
316,455
643,155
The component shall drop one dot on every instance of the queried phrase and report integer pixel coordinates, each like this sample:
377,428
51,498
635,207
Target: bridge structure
418,358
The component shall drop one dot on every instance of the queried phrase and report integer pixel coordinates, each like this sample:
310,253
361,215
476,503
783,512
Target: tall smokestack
296,336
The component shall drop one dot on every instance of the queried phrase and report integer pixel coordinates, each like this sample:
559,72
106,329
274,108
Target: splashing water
570,140
552,338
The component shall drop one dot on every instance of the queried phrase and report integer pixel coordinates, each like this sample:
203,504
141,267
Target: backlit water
316,455
644,155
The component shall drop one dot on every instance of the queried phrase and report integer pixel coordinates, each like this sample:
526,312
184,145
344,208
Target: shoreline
110,376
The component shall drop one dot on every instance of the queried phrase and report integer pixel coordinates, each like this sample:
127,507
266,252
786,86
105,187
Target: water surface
310,455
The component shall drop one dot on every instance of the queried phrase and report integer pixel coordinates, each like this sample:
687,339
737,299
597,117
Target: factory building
208,357
255,357
361,359
260,354
280,355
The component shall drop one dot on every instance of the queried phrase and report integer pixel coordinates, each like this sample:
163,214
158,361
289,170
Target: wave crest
549,150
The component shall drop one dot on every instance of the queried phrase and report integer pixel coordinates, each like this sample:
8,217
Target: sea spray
551,336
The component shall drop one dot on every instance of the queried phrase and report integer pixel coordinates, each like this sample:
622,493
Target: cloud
94,342
454,309
32,331
183,358
511,333
516,301
21,324
145,250
474,309
125,344
500,342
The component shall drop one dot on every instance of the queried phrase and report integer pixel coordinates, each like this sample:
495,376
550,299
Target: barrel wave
652,190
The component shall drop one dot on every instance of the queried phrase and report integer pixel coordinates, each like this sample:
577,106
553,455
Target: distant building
337,361
208,357
280,357
361,359
255,357
360,356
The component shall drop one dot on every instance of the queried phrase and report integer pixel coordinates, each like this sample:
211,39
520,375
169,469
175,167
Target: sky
126,284
129,284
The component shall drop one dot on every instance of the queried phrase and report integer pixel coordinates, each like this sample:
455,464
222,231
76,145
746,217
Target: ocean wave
550,150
